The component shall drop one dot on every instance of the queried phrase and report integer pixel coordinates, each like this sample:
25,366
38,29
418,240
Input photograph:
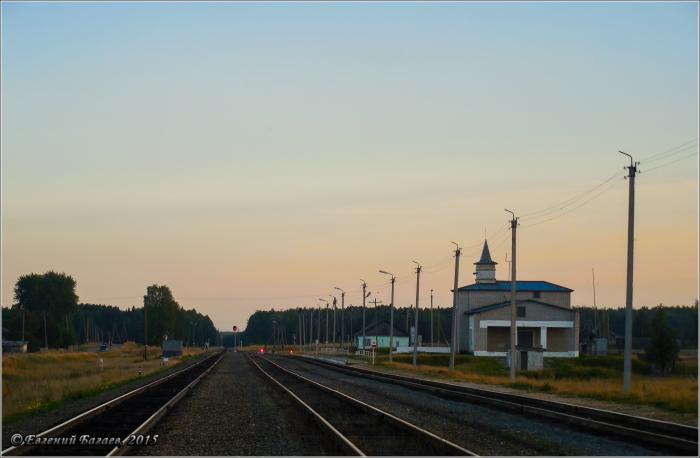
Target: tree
51,295
162,311
663,349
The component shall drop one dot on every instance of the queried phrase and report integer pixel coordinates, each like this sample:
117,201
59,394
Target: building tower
485,267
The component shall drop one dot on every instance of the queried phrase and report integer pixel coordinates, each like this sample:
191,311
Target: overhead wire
694,153
671,151
590,199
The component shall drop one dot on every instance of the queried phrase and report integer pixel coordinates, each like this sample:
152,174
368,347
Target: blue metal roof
522,285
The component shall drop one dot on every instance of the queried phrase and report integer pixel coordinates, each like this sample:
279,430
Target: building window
521,311
536,294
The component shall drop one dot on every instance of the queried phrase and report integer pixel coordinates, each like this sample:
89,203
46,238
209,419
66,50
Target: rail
107,410
365,423
670,436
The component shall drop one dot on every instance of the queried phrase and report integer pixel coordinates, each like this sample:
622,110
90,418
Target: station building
379,334
545,320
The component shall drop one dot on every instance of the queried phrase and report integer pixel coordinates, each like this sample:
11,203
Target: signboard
374,344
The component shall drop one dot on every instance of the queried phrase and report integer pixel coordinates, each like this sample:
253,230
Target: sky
252,156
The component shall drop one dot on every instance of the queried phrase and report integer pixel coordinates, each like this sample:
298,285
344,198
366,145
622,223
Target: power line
683,145
600,193
572,200
694,153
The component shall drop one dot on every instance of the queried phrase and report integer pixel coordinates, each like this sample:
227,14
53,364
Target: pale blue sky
240,152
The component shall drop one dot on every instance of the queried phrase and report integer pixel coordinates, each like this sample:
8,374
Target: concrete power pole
319,320
415,324
342,317
318,329
630,274
513,299
391,316
335,308
364,299
145,333
455,313
432,342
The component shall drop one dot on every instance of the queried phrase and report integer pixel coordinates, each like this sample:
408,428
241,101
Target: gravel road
235,411
44,420
484,430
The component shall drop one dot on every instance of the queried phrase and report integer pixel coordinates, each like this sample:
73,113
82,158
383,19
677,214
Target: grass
590,377
35,382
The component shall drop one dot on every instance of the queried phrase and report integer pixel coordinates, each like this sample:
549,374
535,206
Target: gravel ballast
484,430
236,411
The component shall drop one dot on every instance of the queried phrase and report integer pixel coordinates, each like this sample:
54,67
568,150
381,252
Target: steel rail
673,436
95,411
158,414
429,436
340,437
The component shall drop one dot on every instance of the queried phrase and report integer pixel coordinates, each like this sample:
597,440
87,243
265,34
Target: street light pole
319,320
335,309
364,298
455,313
432,342
415,323
513,299
342,317
627,366
391,315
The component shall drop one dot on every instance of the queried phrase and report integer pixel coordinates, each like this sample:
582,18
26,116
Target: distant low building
172,348
14,346
379,334
544,317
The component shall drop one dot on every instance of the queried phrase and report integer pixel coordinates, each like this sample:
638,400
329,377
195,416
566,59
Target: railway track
359,428
670,438
127,417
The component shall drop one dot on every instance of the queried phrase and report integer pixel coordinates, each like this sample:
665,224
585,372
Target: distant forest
104,323
682,319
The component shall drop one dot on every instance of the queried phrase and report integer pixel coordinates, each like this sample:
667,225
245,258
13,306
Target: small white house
379,334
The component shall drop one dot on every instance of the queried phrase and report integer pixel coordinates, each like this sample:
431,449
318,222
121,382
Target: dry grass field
38,381
597,378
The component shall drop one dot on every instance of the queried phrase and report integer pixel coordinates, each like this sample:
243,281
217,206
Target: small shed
14,346
172,348
379,335
528,358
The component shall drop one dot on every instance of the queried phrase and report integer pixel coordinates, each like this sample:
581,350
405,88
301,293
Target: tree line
46,312
682,321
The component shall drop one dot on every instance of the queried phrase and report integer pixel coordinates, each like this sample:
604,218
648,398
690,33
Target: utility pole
513,299
335,309
22,323
145,332
300,341
319,320
376,320
342,317
364,298
391,315
455,313
415,324
318,329
630,274
508,265
432,342
595,308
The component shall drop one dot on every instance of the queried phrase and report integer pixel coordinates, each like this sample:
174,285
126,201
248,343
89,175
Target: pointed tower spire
485,267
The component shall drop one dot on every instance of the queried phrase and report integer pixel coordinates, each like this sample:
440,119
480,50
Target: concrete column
543,337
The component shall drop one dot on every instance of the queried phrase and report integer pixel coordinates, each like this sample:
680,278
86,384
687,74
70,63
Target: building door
525,337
